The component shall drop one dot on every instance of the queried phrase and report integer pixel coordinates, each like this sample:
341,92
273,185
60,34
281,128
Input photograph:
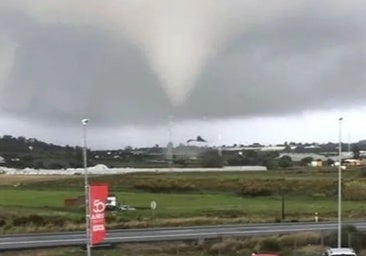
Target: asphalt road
43,240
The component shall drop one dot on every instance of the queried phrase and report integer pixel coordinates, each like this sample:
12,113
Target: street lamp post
340,184
84,122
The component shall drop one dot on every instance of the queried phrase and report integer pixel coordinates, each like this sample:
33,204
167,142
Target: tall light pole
84,122
340,183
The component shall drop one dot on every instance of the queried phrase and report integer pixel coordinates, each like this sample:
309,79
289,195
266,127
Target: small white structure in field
111,201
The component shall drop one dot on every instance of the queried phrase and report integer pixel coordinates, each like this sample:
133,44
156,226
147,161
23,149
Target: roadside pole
340,185
153,206
86,186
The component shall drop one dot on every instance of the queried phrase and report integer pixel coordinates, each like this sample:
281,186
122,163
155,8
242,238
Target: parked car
339,252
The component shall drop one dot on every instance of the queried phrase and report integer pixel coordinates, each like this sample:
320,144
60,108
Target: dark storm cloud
307,59
65,73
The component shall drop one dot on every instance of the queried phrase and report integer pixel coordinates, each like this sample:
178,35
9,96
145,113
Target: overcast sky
232,71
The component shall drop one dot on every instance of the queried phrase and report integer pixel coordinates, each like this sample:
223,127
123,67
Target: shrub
2,222
20,221
349,234
363,172
300,239
354,190
270,244
227,245
271,164
56,166
165,186
36,220
255,191
285,162
56,220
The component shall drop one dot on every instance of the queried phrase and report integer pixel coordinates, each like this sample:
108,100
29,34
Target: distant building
353,162
316,163
297,157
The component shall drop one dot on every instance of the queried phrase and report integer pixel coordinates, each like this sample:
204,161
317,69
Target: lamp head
84,121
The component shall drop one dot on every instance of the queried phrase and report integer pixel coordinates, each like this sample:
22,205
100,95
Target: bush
349,234
56,166
20,221
34,219
271,164
254,190
165,186
211,158
2,222
227,245
301,239
354,190
270,244
39,165
363,172
285,162
56,220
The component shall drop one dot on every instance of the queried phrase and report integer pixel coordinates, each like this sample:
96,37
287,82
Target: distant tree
306,161
78,155
251,154
238,161
356,151
21,139
330,162
128,148
211,158
28,160
256,144
285,162
75,164
7,137
271,163
300,149
39,165
69,149
56,165
287,149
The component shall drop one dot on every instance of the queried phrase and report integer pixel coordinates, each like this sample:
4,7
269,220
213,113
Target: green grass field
188,205
185,198
36,204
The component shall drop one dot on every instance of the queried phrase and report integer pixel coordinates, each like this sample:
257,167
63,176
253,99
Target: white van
339,252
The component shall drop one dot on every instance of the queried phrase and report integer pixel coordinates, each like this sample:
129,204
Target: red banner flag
98,194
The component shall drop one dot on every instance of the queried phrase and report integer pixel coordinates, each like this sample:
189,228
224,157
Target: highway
43,240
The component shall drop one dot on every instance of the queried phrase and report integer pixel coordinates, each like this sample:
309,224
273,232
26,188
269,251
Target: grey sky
136,63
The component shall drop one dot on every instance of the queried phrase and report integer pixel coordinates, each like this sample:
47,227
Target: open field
36,203
16,180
